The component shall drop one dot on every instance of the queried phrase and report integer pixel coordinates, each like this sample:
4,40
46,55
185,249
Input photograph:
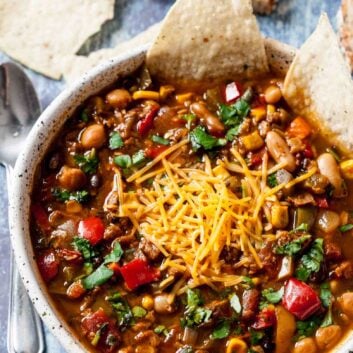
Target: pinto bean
279,150
93,136
272,94
163,304
327,337
119,98
345,302
306,345
71,178
251,298
329,168
214,125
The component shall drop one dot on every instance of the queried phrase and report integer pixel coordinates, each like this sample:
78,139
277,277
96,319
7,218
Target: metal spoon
19,108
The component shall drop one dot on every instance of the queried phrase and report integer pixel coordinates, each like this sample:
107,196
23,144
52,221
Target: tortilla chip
319,86
41,33
208,42
77,65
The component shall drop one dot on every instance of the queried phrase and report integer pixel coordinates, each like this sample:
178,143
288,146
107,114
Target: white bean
329,168
279,150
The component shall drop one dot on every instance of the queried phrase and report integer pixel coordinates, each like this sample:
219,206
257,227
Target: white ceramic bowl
40,138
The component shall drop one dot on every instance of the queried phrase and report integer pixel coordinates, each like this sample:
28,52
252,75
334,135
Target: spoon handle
25,332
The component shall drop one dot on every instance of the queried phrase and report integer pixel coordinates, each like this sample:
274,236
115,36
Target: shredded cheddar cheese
191,214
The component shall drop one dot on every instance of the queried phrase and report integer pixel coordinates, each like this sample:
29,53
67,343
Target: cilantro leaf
272,180
123,161
161,329
122,309
232,133
328,319
233,115
84,247
98,277
201,139
189,119
307,328
303,227
325,295
270,296
293,247
138,158
256,337
115,255
346,227
115,140
235,303
87,162
64,195
222,330
160,140
311,262
193,298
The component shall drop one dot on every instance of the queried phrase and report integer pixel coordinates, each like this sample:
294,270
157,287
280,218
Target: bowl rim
51,120
22,178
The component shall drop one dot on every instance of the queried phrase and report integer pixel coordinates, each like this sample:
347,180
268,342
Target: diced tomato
299,128
99,324
256,158
231,92
321,201
154,151
146,124
308,151
138,272
92,229
48,265
41,217
266,318
300,299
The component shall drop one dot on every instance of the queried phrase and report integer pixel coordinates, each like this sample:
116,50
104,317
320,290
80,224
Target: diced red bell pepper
92,229
321,201
146,124
308,151
138,272
154,151
231,92
48,265
98,323
41,217
266,318
256,158
300,299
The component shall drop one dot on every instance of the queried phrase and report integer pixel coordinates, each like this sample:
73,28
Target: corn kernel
252,141
145,95
279,216
256,281
165,91
270,109
258,113
236,345
221,172
347,169
182,98
147,302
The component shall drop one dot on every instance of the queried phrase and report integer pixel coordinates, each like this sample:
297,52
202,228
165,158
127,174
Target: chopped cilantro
115,141
138,158
307,328
122,309
138,312
160,140
194,314
346,227
311,262
247,282
87,162
232,133
256,337
161,329
98,334
64,195
293,247
233,115
325,295
304,227
221,331
84,116
123,161
189,118
98,277
272,180
115,255
84,247
270,296
328,319
235,303
201,139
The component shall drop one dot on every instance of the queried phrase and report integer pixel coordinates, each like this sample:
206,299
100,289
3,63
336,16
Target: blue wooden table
292,23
